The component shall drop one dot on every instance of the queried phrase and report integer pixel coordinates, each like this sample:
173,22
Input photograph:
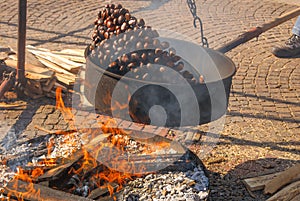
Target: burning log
102,191
35,192
57,172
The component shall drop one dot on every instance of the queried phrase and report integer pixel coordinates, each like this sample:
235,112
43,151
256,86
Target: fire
66,112
22,190
111,176
113,148
105,178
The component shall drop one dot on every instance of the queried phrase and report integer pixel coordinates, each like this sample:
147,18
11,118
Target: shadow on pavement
54,39
155,4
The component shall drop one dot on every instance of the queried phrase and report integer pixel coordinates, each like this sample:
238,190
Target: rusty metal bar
7,84
21,42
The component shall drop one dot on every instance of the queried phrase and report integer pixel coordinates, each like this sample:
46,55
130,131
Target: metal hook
203,39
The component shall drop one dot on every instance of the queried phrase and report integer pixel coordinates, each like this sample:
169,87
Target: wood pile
283,186
51,69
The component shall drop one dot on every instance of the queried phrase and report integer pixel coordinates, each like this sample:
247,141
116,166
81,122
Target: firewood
76,55
62,75
31,71
49,84
55,67
75,52
10,106
258,183
34,87
35,192
96,141
55,173
52,94
65,80
34,96
282,179
54,58
287,193
102,191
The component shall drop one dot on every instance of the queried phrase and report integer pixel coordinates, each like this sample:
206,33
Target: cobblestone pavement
262,131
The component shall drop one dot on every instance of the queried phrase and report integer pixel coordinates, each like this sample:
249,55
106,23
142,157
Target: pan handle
255,32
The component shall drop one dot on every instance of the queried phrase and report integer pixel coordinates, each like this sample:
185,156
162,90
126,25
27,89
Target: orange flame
105,178
25,190
66,112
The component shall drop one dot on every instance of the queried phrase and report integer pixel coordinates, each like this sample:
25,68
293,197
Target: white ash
185,186
131,146
20,149
6,175
65,145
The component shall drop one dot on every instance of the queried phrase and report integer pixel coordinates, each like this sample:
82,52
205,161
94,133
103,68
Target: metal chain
193,9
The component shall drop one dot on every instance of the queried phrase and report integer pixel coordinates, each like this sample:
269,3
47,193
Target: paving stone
149,128
124,124
136,126
48,109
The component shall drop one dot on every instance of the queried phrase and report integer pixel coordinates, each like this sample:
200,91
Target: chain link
193,9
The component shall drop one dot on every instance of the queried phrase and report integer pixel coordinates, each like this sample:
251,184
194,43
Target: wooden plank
49,84
36,76
55,173
62,75
55,67
258,183
11,106
32,71
282,179
34,87
77,59
65,80
35,192
76,55
287,193
96,193
57,59
75,52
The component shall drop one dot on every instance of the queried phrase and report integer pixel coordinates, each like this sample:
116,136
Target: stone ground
261,131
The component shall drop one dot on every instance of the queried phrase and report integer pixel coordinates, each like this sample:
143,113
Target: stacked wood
49,70
66,63
283,186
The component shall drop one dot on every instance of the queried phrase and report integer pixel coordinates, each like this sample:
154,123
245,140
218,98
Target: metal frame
21,42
